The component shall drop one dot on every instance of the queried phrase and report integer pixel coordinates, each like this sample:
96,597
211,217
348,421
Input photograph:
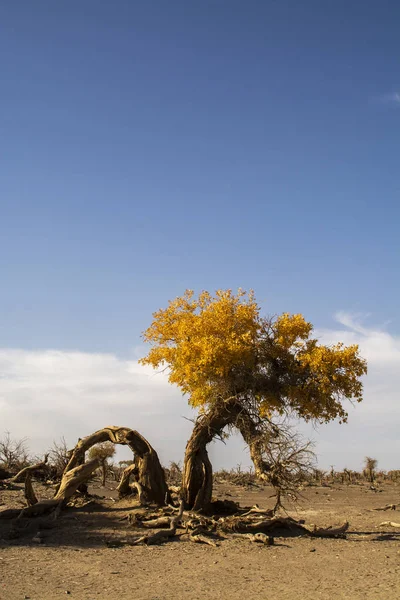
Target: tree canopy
220,346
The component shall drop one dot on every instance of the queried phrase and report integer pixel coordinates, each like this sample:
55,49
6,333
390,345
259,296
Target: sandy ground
74,558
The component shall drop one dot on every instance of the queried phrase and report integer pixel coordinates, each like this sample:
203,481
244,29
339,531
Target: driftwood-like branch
331,531
387,507
21,475
389,524
268,512
198,538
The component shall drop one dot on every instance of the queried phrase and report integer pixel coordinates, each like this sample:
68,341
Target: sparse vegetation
102,452
59,456
370,467
13,453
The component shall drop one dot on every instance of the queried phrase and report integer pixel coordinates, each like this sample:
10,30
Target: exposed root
389,524
387,507
162,535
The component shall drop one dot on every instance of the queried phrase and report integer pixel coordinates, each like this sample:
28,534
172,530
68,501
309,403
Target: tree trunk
150,474
197,478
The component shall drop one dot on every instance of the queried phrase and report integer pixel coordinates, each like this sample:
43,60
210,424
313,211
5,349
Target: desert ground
84,553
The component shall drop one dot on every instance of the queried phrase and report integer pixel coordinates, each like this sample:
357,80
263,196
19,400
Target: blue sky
149,147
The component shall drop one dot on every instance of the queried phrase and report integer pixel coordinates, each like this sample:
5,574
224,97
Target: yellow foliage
219,346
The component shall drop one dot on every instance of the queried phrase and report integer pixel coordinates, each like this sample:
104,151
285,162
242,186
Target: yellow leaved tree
240,369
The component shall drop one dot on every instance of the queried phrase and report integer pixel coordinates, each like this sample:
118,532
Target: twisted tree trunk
149,474
197,478
150,477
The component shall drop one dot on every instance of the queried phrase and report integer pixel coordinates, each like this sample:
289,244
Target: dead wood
198,538
331,531
387,507
21,475
268,512
248,525
72,479
69,484
140,492
124,487
153,523
389,524
147,469
162,535
30,495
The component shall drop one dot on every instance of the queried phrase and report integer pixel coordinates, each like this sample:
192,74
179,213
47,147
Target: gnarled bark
197,477
150,478
70,482
149,473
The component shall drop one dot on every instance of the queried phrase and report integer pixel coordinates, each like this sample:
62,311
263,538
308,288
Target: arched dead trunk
149,473
197,479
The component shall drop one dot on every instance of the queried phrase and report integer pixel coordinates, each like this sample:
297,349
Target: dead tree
149,474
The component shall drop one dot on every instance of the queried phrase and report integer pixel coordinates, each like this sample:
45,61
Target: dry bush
173,473
292,462
59,457
394,475
13,453
370,466
237,476
103,452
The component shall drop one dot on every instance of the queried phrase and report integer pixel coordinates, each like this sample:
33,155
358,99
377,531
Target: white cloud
47,394
374,424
